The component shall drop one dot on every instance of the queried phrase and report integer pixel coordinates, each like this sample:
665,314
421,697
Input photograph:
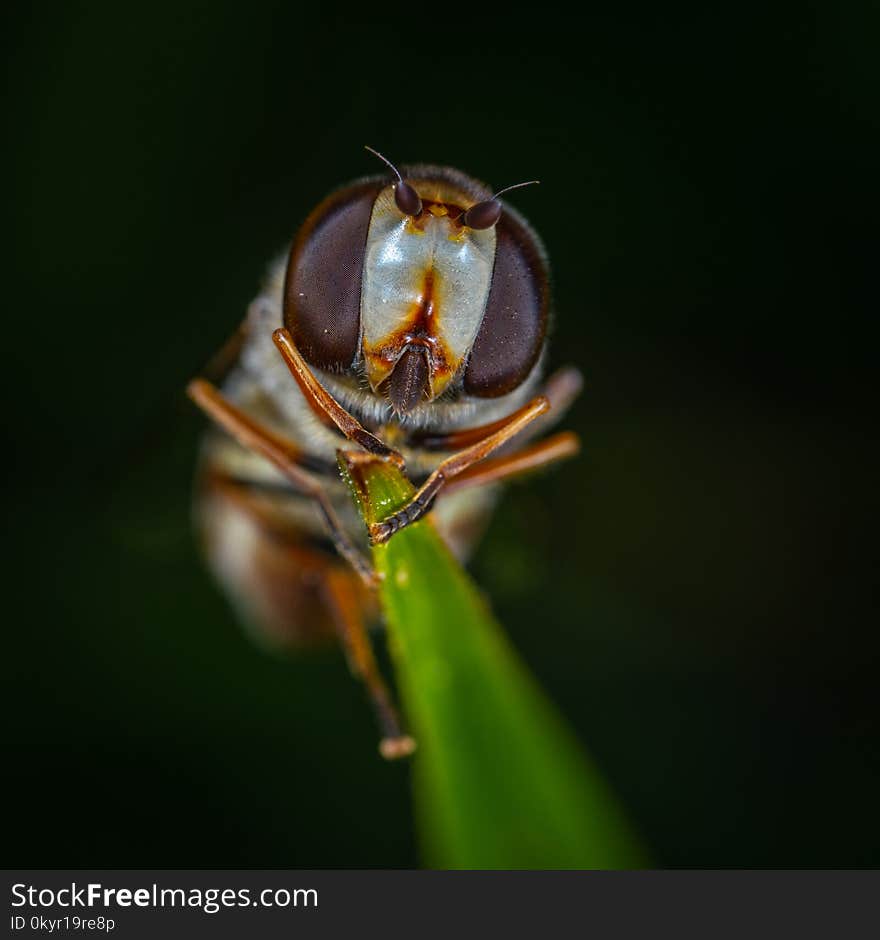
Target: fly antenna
386,161
408,200
486,213
506,189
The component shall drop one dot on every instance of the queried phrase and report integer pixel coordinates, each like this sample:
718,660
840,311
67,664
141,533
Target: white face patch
429,282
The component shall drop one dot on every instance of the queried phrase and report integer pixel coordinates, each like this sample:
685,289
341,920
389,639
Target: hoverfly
411,312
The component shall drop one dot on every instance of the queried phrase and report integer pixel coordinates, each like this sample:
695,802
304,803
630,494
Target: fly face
423,287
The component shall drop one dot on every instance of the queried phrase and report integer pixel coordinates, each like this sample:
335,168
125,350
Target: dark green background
695,592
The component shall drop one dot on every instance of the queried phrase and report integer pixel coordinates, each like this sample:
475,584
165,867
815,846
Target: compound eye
483,214
514,325
408,200
322,290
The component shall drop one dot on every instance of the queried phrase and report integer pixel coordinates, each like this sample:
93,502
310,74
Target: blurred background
696,592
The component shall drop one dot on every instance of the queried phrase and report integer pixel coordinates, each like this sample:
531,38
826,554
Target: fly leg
324,404
341,596
286,456
561,389
424,497
535,457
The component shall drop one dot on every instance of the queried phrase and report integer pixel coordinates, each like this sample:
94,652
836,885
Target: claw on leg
353,635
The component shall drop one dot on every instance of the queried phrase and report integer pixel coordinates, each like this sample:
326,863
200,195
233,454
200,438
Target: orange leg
345,600
286,457
496,469
453,466
221,363
323,402
560,390
346,608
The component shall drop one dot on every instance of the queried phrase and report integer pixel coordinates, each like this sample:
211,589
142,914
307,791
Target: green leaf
500,781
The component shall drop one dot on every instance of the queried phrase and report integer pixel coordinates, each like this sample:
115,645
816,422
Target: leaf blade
500,781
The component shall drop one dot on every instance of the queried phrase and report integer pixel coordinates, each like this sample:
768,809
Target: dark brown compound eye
322,290
514,325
